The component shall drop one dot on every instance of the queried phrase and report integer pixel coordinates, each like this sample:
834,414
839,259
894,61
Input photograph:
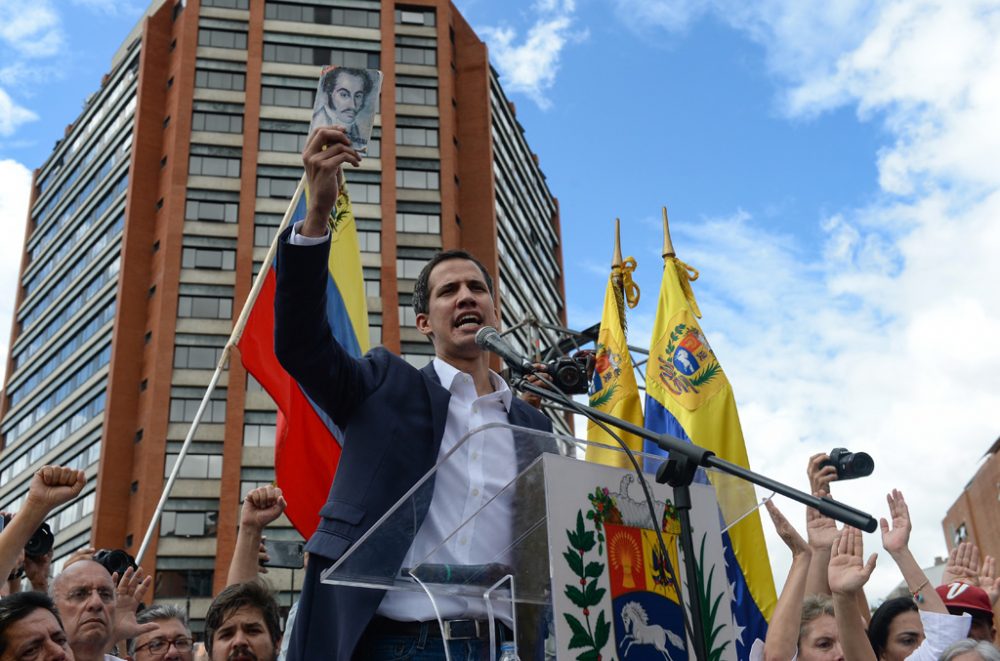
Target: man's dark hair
159,613
882,617
330,79
20,605
235,597
421,290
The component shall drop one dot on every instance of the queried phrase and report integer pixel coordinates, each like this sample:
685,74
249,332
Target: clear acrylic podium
511,580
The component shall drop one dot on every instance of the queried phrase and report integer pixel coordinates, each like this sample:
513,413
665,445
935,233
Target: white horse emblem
638,631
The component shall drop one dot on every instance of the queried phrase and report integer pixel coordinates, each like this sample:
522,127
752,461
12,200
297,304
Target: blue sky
831,171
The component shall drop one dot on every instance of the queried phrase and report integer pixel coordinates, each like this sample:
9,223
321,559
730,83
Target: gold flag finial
617,259
668,246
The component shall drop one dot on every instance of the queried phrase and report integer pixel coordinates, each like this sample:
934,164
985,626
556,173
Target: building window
196,358
208,258
204,307
195,466
222,38
415,55
227,4
214,166
183,583
416,136
296,53
189,524
212,206
220,80
215,122
415,16
287,97
418,96
289,137
184,405
419,179
358,18
259,434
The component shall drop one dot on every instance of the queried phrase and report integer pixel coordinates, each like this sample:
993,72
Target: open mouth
468,321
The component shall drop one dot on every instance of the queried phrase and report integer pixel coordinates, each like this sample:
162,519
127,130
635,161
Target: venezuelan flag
689,396
308,443
613,388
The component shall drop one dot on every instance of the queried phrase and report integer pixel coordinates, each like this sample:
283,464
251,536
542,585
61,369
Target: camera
570,373
116,561
850,465
41,541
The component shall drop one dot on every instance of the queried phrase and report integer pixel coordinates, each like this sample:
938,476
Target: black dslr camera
850,465
40,543
571,373
116,561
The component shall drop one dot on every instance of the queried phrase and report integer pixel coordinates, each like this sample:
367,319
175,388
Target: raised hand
898,538
848,573
962,565
261,507
820,529
130,590
989,581
788,534
53,486
327,150
820,476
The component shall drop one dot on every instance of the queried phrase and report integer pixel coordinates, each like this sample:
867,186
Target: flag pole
668,245
240,324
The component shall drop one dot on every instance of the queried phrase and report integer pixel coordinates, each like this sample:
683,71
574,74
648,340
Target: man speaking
397,422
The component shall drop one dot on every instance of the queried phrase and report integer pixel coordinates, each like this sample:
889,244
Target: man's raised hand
53,486
261,507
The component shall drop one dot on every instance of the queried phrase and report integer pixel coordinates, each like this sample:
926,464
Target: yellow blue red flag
307,447
689,396
613,388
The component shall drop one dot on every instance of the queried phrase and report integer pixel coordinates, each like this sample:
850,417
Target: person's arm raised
50,487
896,540
261,507
327,150
783,630
848,573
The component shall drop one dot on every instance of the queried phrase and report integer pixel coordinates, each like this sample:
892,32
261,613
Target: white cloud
884,339
15,192
530,66
12,115
30,27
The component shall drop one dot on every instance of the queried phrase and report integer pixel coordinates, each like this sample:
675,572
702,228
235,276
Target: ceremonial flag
613,388
308,443
689,396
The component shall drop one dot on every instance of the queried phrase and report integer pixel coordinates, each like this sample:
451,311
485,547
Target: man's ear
423,324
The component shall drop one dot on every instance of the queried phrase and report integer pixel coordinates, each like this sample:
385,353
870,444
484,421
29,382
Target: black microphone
489,339
487,574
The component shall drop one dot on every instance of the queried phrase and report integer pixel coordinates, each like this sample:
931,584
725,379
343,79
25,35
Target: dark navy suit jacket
393,417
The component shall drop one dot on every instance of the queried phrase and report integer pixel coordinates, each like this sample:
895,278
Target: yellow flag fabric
689,396
613,388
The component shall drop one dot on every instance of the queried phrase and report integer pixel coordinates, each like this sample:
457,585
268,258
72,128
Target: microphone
460,574
489,339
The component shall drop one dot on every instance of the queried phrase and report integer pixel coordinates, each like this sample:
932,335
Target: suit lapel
439,401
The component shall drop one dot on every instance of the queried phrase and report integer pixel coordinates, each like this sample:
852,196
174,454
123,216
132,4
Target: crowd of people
823,613
86,612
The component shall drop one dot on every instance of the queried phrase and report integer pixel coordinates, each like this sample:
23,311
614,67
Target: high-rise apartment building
154,212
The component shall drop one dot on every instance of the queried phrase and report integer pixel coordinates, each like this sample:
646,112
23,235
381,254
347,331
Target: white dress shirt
467,481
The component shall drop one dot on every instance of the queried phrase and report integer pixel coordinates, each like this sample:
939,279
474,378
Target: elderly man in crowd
94,613
242,624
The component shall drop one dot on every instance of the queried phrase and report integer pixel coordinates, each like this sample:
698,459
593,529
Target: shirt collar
447,373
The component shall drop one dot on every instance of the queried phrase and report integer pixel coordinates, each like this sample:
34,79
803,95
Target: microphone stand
679,472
